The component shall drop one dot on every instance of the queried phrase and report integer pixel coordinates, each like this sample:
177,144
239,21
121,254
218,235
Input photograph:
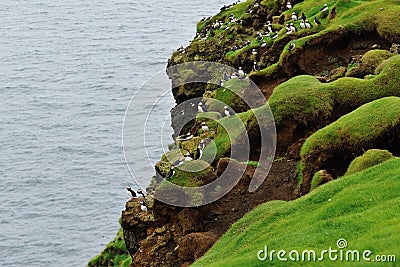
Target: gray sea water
67,72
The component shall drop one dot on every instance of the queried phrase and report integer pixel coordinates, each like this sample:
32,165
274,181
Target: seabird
289,5
274,36
264,44
234,75
200,108
171,172
204,127
302,24
221,83
324,8
294,16
178,162
316,21
185,137
188,157
256,67
291,46
303,16
141,194
241,72
293,28
131,193
226,112
254,52
308,24
143,206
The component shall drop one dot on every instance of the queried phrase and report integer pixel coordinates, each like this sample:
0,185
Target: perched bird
302,24
204,127
185,137
308,24
131,193
241,73
325,8
316,21
291,46
188,157
263,44
178,162
171,172
293,28
254,52
141,194
289,5
256,67
221,83
294,16
303,16
143,207
274,36
226,112
201,108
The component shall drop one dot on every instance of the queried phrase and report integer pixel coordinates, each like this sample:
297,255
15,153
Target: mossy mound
369,62
114,254
367,125
363,209
305,100
319,178
370,158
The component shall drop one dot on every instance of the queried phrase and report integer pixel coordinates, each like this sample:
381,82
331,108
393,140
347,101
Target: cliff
320,84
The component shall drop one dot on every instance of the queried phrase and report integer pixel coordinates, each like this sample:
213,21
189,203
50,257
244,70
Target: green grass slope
114,254
363,208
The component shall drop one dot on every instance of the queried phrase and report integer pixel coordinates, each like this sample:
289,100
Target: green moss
192,173
114,254
350,133
370,61
363,208
303,99
316,180
370,158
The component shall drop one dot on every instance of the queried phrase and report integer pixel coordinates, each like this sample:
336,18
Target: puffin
188,157
185,137
131,193
291,46
178,162
294,16
274,36
226,112
241,73
325,8
289,5
256,67
293,28
303,16
142,196
254,52
303,24
143,207
201,108
316,21
264,44
171,172
308,24
204,127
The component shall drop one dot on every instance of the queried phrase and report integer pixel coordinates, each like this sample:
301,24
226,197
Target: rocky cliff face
336,50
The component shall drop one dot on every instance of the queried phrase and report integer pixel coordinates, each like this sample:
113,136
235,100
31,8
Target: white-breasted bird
226,111
325,8
294,16
131,193
143,207
204,127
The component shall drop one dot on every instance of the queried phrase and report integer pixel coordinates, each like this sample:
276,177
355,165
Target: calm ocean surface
67,72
